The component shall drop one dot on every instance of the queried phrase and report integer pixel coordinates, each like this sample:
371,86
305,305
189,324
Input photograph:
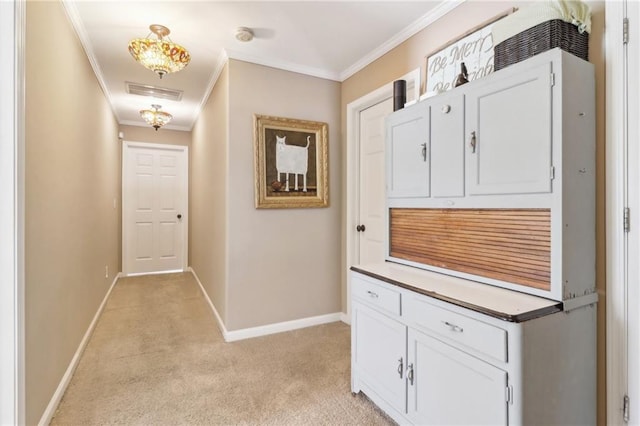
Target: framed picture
290,158
474,48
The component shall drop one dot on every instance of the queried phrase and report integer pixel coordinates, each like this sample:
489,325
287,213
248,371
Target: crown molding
74,16
433,15
222,60
286,66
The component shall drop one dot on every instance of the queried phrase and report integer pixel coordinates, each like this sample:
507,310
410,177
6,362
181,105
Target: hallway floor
157,357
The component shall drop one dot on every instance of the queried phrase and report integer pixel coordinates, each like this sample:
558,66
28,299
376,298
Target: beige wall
71,178
208,205
284,264
148,134
262,266
410,55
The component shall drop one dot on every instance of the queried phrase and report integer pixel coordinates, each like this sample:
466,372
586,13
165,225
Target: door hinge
626,219
625,30
552,79
625,408
552,173
508,394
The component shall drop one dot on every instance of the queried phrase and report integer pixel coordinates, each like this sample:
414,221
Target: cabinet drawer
376,295
474,334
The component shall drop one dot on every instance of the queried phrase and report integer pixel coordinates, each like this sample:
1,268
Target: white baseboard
264,330
221,326
62,387
345,318
139,274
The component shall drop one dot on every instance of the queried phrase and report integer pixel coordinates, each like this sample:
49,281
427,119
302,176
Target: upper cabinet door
408,152
509,134
447,145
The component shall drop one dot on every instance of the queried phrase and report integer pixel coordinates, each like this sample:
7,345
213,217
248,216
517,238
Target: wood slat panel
512,245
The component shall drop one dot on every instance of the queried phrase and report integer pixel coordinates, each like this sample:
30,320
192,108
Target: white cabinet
451,387
447,145
438,350
509,133
408,152
382,366
425,149
521,139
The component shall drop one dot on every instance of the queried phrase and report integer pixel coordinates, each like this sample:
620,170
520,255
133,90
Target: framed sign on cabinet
474,48
291,163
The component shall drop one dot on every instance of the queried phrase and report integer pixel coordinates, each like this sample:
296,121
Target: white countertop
504,303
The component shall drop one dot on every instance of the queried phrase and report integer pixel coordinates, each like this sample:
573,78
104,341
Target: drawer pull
410,373
453,327
372,294
400,365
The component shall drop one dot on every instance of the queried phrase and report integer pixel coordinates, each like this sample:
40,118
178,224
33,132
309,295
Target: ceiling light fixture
155,117
160,55
244,34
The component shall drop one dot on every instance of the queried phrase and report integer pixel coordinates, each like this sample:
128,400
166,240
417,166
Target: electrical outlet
106,271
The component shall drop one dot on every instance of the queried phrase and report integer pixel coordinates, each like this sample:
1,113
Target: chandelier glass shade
155,117
160,55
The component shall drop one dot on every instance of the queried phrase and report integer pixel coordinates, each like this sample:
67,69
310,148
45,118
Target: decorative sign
474,48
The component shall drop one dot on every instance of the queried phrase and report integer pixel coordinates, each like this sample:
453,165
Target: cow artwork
292,159
291,163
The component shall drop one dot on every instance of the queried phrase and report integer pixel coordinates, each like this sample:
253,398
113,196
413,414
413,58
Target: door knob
179,216
360,228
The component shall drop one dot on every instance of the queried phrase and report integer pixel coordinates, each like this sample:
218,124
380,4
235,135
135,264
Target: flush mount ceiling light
244,34
155,117
160,55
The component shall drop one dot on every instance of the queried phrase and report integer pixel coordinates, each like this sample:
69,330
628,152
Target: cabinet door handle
372,294
410,373
473,142
453,327
424,151
400,365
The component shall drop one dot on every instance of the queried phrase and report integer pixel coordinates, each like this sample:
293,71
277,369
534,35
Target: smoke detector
244,34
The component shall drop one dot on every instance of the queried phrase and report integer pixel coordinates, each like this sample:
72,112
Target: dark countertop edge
525,316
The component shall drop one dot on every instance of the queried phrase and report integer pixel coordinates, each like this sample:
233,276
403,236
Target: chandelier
155,117
160,55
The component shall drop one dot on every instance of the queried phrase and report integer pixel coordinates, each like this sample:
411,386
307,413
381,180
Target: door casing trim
353,169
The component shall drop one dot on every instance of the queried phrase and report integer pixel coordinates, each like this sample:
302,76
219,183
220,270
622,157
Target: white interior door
154,217
372,182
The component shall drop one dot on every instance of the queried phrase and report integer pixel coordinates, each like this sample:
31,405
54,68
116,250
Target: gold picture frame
291,163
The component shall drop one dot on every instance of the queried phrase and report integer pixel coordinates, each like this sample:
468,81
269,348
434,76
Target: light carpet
156,357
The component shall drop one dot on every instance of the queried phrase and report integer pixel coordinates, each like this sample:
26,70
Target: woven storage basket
540,38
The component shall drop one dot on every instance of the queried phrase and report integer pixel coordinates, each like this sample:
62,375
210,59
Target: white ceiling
330,39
